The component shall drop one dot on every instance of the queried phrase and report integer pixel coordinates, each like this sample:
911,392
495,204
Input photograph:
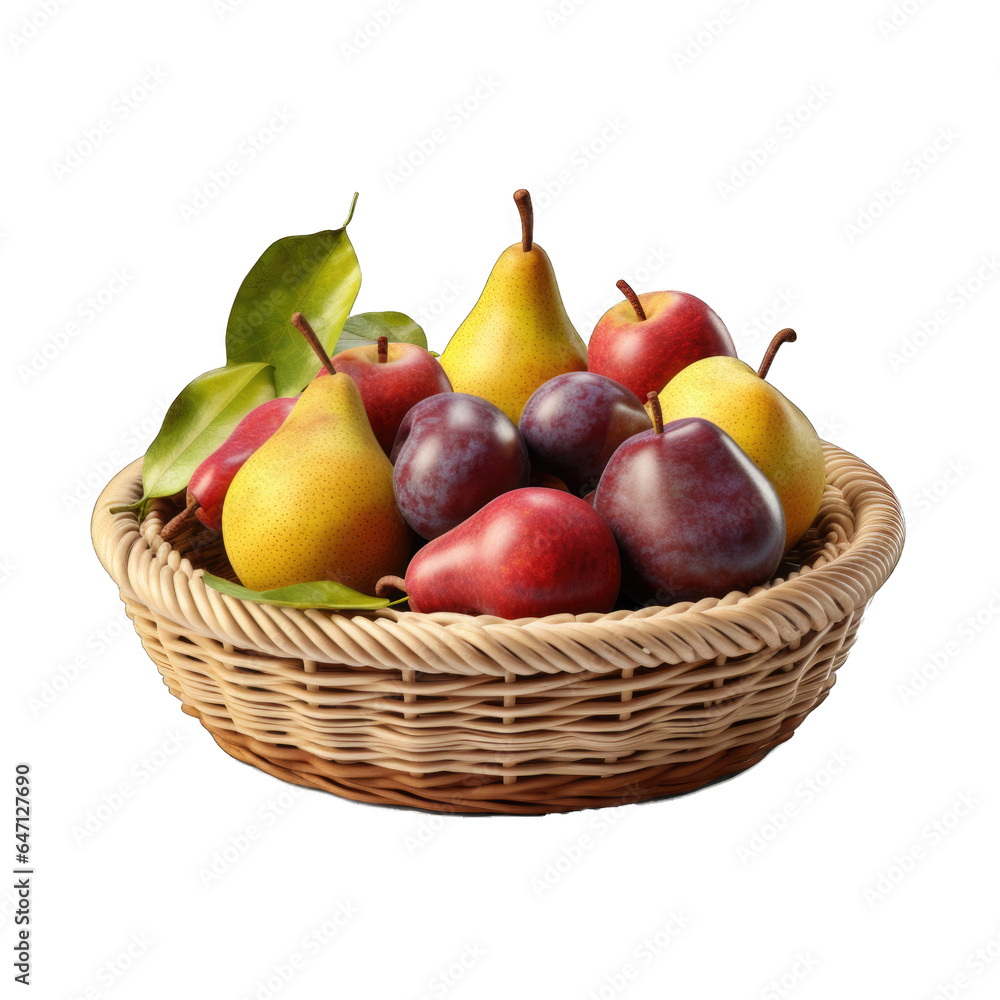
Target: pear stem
302,325
626,289
388,584
779,338
653,402
523,201
174,525
383,350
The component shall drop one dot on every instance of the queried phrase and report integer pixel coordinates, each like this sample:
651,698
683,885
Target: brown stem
389,583
523,201
626,289
302,325
779,338
653,402
175,524
383,350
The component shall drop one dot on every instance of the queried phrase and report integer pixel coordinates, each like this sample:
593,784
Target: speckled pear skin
517,335
315,501
774,432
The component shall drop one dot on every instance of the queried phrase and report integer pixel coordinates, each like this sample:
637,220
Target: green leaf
320,594
198,421
316,275
366,328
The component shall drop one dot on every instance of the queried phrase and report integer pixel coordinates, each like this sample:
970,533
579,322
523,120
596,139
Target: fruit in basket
774,432
391,378
454,453
529,553
315,501
645,340
210,482
574,422
518,334
692,515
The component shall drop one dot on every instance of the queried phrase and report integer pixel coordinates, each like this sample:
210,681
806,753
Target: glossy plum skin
529,553
210,481
644,355
454,453
573,424
388,389
692,514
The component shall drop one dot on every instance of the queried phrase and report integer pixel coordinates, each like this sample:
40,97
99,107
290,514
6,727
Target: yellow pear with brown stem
518,334
315,501
774,432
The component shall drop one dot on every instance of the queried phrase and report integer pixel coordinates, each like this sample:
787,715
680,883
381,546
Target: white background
624,150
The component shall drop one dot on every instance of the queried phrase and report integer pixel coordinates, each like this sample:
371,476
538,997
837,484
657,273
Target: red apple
390,382
645,340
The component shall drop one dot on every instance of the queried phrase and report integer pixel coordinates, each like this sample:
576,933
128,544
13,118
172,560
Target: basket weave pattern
478,714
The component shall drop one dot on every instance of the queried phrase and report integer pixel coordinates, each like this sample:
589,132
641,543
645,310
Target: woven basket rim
152,573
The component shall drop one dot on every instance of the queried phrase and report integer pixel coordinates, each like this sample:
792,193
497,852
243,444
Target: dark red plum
454,453
573,423
529,553
692,515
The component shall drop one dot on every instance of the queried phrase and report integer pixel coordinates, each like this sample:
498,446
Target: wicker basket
481,715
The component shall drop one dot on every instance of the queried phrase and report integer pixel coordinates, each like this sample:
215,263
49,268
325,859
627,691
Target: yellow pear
315,501
774,432
518,334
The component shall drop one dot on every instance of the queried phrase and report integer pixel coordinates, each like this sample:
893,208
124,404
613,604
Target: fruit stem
389,583
174,525
302,325
653,402
383,350
523,201
779,338
626,289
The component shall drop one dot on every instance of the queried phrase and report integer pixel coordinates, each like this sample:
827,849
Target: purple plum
573,423
454,453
